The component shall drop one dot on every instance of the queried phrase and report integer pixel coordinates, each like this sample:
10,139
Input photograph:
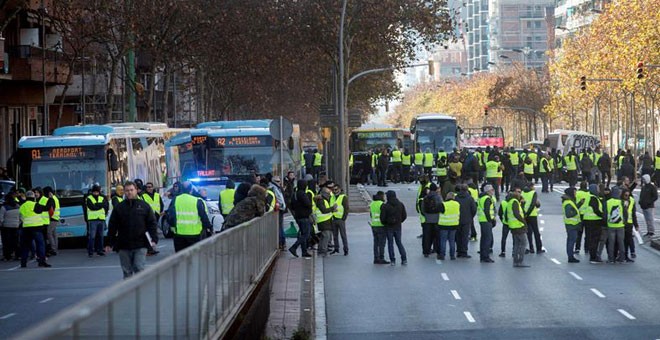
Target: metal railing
196,293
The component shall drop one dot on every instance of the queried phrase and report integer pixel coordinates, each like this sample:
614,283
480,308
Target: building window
537,24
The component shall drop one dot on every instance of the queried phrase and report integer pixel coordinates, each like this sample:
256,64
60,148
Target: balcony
26,64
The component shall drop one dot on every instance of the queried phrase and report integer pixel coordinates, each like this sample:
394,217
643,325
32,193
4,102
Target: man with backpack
392,215
431,210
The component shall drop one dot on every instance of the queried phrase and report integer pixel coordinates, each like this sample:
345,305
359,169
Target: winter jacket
648,196
129,222
301,207
254,205
432,218
468,207
393,208
10,216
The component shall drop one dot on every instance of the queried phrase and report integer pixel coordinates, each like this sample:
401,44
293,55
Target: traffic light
640,70
583,83
430,67
486,108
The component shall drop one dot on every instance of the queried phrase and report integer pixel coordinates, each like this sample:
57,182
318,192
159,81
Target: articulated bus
482,137
363,140
75,158
433,132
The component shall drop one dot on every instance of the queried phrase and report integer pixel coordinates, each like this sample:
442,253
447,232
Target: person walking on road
32,231
647,199
187,214
339,219
97,207
486,212
516,221
494,174
572,222
226,198
502,214
392,215
118,197
468,209
132,230
448,222
301,208
53,211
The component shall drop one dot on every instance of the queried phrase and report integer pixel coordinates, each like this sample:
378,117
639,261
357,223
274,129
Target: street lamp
341,133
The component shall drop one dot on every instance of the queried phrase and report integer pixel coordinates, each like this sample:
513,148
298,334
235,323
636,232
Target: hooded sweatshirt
468,207
392,210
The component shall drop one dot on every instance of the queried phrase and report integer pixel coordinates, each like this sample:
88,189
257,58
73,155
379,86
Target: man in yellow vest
187,214
486,214
494,174
32,231
97,207
615,226
324,212
151,197
531,206
448,221
516,222
545,172
302,163
226,198
53,210
118,197
419,164
378,228
396,164
339,219
656,174
131,230
572,222
630,221
571,167
406,164
428,162
318,163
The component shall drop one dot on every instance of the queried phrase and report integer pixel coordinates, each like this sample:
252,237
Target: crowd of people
469,186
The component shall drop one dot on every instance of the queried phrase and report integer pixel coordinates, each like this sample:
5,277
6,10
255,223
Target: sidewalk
292,298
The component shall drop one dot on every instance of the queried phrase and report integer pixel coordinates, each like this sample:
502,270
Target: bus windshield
70,171
435,134
239,156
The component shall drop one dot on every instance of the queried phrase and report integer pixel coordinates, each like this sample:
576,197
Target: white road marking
469,317
542,221
307,310
541,229
555,260
308,280
46,300
626,314
455,294
444,276
575,276
7,316
540,215
438,262
598,293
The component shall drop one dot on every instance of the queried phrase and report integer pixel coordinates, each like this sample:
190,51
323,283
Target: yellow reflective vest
188,222
227,201
29,218
154,202
452,214
94,215
374,211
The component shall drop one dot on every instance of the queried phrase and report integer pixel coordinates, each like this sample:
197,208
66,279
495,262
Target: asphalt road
31,295
429,299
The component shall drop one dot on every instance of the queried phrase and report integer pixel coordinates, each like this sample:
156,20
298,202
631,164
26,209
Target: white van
564,140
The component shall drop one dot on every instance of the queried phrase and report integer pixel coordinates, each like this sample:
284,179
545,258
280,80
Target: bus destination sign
238,141
60,153
374,134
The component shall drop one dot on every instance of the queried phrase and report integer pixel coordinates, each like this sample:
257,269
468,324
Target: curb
320,321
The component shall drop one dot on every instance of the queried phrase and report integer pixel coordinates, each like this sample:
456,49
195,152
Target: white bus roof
430,116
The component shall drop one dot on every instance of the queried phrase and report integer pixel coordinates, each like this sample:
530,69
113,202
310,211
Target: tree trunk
60,108
166,97
109,102
152,91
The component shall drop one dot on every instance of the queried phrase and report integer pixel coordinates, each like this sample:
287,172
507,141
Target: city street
430,299
31,295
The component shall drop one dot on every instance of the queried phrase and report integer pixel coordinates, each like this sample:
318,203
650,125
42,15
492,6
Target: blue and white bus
75,158
217,151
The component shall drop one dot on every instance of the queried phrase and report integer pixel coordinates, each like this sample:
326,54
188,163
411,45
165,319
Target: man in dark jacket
301,208
468,211
187,214
430,208
592,220
132,229
627,169
383,164
393,214
486,210
647,199
605,167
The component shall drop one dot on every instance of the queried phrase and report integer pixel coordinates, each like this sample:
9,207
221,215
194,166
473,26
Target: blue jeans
447,235
571,238
304,231
28,235
281,222
95,236
132,261
394,235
